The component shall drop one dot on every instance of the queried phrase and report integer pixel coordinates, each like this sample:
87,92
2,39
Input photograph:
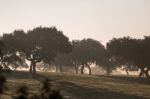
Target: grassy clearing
84,86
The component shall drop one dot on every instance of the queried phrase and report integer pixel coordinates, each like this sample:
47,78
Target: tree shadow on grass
19,75
25,75
128,78
86,92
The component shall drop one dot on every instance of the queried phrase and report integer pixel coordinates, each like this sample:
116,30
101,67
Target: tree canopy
50,45
42,44
127,50
85,52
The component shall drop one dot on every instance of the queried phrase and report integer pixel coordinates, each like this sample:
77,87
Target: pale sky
98,19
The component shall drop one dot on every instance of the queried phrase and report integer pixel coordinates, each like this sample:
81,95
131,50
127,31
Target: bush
22,93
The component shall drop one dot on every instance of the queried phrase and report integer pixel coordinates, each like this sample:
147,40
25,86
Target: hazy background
98,19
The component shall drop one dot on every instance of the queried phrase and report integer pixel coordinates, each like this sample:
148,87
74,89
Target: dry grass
84,86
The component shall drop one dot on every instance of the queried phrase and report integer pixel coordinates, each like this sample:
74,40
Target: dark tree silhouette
1,55
146,56
41,44
131,51
115,48
85,52
2,83
62,60
44,45
2,77
11,57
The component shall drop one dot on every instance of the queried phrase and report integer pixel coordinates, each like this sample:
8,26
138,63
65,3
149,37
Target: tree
41,44
1,54
85,52
10,57
62,60
131,51
145,56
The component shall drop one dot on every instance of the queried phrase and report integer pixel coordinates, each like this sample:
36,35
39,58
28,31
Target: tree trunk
30,69
60,68
147,73
82,69
1,69
127,72
108,71
90,71
141,72
34,68
76,69
56,69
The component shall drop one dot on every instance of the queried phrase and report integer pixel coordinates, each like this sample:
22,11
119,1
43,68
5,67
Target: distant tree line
50,46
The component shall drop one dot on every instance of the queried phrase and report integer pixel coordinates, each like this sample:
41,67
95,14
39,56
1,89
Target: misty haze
74,49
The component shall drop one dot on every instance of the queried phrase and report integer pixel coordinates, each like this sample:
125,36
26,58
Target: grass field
84,86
